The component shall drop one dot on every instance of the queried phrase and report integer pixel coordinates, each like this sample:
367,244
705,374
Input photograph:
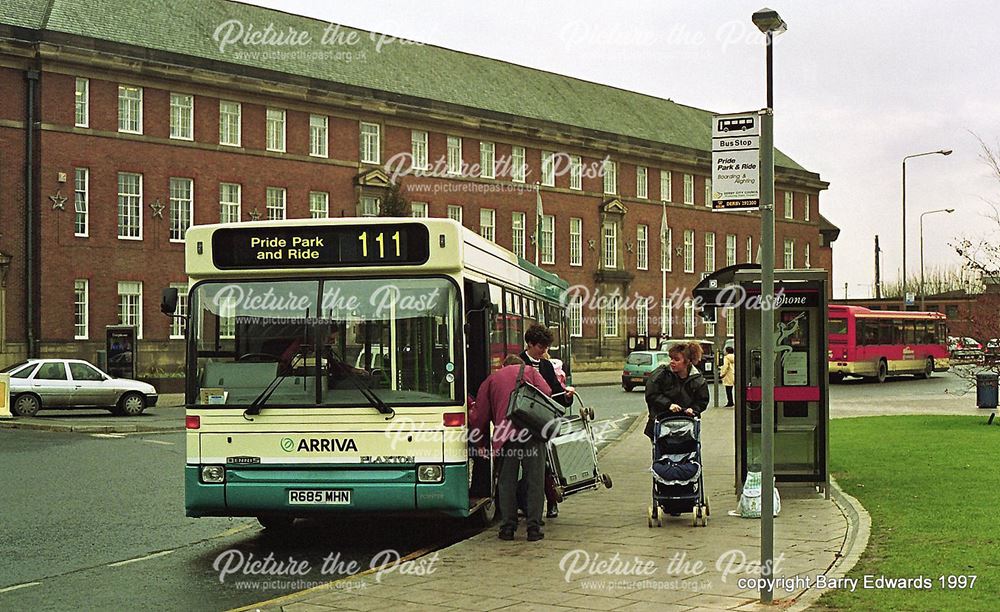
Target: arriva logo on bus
317,445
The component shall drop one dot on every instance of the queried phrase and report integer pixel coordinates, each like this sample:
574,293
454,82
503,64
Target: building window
610,172
789,254
575,241
548,243
689,250
487,223
789,207
689,189
130,305
642,316
82,102
418,148
611,317
709,330
275,203
807,206
370,206
730,250
181,207
688,318
319,139
642,247
576,316
319,204
129,206
807,262
610,245
229,202
730,322
518,170
177,323
666,250
418,209
454,155
749,249
575,172
666,186
230,123
81,309
371,143
487,155
641,182
182,116
81,202
708,192
455,212
130,109
709,251
548,169
517,232
275,130
667,318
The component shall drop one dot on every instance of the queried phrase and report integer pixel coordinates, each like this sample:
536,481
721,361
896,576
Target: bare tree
939,279
394,204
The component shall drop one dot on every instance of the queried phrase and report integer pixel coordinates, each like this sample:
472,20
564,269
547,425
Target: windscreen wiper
369,394
258,403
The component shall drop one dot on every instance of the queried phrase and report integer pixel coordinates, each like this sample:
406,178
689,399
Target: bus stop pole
767,347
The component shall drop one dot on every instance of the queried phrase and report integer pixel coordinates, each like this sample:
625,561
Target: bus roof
861,311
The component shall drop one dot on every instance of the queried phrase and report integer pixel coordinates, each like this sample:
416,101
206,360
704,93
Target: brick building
124,122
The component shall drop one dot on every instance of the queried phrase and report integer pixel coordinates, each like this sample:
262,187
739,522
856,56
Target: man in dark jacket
678,388
537,341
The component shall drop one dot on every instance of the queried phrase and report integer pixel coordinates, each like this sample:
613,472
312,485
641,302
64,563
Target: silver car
73,383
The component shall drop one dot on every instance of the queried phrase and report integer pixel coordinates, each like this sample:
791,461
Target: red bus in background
879,343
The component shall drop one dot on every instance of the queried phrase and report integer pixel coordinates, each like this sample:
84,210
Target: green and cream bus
330,363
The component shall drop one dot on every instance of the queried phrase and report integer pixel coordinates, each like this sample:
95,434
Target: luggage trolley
571,455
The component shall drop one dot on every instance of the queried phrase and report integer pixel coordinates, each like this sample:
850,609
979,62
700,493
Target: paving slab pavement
599,553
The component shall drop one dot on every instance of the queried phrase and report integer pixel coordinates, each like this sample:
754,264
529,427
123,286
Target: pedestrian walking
517,449
728,373
677,387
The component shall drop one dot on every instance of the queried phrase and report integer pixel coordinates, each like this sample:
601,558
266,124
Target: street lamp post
770,23
903,266
922,215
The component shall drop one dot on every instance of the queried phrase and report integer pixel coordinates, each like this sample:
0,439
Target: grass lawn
932,487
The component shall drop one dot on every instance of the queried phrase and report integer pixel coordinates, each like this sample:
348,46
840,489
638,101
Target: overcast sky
858,86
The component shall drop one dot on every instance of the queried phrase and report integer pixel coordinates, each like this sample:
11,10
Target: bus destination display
310,247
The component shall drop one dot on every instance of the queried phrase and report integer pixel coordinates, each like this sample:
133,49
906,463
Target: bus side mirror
477,296
168,304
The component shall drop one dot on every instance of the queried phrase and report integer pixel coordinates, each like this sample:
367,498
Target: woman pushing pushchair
678,388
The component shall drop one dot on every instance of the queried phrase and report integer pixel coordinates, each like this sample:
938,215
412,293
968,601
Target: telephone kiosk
801,399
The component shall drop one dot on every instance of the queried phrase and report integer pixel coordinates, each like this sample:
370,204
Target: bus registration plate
336,497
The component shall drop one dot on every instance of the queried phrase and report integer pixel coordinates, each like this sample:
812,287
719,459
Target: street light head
945,152
768,21
949,210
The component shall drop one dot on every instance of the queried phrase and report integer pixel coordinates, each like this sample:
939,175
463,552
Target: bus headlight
429,473
213,474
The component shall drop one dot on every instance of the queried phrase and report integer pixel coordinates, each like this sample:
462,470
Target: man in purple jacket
516,448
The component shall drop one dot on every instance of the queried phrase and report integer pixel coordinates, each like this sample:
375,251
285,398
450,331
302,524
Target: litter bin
986,390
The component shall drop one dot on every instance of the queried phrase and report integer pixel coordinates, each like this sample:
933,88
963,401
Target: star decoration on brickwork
628,246
680,251
590,243
255,215
157,207
58,200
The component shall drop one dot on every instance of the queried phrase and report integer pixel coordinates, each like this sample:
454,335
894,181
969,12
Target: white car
39,384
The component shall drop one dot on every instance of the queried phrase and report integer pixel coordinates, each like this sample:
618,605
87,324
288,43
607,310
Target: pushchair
678,481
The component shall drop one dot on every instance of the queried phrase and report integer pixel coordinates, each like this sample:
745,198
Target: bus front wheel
883,371
928,369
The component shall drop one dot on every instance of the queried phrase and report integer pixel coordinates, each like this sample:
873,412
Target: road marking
234,531
107,435
159,442
152,556
19,586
